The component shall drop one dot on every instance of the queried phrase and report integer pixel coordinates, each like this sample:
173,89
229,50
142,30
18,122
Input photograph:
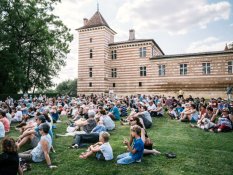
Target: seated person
41,151
9,159
2,130
224,122
152,108
55,114
114,112
145,116
179,110
148,145
32,134
17,117
106,120
5,121
208,115
158,112
102,148
191,115
81,140
202,111
136,152
172,113
85,125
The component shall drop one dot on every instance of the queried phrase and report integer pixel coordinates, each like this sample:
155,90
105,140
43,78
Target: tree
33,44
68,87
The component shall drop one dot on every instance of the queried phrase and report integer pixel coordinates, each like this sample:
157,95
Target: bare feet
83,156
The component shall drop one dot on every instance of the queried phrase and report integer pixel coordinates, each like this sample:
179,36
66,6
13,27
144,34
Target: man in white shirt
18,116
151,108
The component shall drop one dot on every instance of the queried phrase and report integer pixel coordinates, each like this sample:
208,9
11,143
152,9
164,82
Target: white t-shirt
18,116
108,123
153,107
2,130
106,149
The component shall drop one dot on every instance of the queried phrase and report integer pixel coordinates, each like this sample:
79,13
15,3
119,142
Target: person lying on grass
136,152
102,148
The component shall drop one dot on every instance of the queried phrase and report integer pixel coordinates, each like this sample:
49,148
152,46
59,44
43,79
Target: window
206,68
114,85
90,84
114,73
183,69
142,51
161,70
90,72
230,67
140,84
91,53
143,71
90,40
114,54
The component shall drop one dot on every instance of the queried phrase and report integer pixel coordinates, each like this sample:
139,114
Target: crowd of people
90,120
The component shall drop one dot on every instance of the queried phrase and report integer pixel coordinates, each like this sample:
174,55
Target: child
172,113
136,152
102,148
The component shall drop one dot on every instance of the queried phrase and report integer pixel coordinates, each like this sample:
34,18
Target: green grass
198,152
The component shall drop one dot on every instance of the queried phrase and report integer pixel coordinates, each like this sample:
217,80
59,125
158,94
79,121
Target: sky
177,26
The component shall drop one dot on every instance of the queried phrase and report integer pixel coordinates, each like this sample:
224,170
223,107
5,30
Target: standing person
229,92
136,152
181,94
41,151
9,159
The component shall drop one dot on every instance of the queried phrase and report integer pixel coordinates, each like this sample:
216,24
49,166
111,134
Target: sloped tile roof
95,21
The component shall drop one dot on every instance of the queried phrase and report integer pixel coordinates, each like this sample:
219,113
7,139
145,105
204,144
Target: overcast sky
178,26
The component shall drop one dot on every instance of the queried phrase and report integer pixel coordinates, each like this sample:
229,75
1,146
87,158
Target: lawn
198,152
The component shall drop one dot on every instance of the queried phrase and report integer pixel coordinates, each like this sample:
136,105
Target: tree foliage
33,44
68,87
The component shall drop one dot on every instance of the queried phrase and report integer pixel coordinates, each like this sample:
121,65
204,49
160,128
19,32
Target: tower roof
95,21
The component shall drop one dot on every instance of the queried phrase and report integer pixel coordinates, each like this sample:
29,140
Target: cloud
208,44
176,17
231,25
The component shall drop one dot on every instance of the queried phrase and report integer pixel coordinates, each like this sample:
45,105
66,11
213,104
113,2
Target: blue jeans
125,159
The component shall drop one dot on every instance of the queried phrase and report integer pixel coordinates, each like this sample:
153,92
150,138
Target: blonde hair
105,136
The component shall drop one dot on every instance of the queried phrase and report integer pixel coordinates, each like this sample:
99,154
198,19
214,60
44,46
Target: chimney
85,20
131,34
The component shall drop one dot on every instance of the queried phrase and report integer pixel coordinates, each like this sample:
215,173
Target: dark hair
193,106
138,122
8,145
209,108
2,113
45,127
103,112
136,129
145,108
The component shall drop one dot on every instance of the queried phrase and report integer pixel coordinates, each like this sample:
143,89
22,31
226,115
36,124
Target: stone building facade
139,66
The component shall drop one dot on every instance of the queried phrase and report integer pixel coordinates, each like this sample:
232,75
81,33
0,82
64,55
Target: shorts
35,141
99,156
193,120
